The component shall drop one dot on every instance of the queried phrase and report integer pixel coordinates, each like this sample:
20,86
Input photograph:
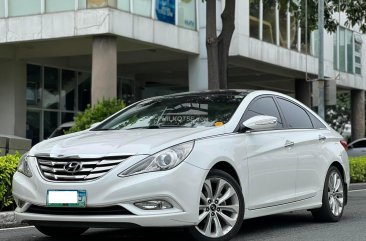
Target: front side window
263,106
177,111
295,116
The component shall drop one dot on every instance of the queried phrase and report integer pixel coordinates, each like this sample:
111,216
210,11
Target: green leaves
358,169
8,166
95,114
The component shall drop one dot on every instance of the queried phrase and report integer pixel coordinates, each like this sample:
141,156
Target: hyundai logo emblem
73,167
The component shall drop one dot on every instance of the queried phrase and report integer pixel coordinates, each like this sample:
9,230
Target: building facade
56,57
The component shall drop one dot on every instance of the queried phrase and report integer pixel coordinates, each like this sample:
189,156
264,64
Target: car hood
120,142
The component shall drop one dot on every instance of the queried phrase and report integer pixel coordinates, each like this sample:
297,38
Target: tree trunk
228,27
218,47
212,45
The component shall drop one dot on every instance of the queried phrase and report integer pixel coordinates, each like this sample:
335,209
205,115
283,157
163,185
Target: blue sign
165,11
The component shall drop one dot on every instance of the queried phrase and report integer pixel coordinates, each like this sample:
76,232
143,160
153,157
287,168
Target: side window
316,122
359,144
295,116
263,106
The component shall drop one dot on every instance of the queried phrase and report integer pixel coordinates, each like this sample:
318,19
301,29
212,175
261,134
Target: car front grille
77,169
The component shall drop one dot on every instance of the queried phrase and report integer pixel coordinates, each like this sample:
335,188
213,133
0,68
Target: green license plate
66,198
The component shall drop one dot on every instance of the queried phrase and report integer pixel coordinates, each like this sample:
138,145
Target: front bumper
180,186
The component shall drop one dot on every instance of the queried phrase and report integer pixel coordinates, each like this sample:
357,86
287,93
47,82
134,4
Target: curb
7,219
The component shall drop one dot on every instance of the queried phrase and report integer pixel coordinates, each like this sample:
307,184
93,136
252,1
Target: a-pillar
358,114
13,98
303,91
104,68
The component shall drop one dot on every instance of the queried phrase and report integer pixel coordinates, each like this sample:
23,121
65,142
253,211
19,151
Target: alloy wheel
219,208
335,194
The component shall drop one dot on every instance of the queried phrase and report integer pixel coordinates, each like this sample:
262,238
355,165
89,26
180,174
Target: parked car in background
202,160
357,148
59,131
346,132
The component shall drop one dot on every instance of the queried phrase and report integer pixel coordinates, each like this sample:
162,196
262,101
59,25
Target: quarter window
263,106
295,116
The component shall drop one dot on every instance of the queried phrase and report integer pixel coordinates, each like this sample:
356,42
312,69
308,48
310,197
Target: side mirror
261,123
94,125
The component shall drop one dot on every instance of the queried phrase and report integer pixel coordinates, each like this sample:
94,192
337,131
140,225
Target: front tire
221,210
62,232
333,198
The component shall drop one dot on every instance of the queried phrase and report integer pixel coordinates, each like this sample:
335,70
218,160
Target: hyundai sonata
204,161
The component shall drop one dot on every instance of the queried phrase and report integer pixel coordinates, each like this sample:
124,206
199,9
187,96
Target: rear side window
263,106
296,117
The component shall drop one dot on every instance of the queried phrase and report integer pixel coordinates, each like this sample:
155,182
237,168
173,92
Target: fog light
154,205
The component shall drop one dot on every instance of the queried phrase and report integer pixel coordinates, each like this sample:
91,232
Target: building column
13,107
358,114
104,68
303,91
197,65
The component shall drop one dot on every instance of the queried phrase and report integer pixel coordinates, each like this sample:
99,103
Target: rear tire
221,210
333,198
61,231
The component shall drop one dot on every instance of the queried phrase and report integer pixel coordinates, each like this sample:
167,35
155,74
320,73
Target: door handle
289,144
322,138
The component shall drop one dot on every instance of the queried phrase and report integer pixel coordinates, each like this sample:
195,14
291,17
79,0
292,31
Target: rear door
271,161
308,141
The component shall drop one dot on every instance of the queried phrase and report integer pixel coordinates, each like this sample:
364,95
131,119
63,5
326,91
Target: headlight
23,166
161,161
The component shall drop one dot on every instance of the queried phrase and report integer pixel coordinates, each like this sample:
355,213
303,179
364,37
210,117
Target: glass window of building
294,32
187,14
50,123
51,95
358,55
123,5
349,41
342,50
269,21
34,85
82,4
68,90
84,90
254,20
33,126
142,7
62,92
97,3
2,8
283,24
59,6
24,7
126,90
335,50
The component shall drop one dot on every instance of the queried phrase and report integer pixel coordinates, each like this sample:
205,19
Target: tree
218,46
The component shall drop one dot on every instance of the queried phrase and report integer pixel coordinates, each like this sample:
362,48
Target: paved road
285,227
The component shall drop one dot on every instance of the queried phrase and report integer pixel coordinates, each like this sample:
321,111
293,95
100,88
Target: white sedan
202,160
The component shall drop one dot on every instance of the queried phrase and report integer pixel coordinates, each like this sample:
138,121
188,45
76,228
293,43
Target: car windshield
177,111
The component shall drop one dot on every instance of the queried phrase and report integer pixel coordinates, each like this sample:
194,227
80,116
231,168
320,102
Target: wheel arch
229,169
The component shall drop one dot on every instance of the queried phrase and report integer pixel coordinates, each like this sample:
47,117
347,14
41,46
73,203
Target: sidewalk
7,219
